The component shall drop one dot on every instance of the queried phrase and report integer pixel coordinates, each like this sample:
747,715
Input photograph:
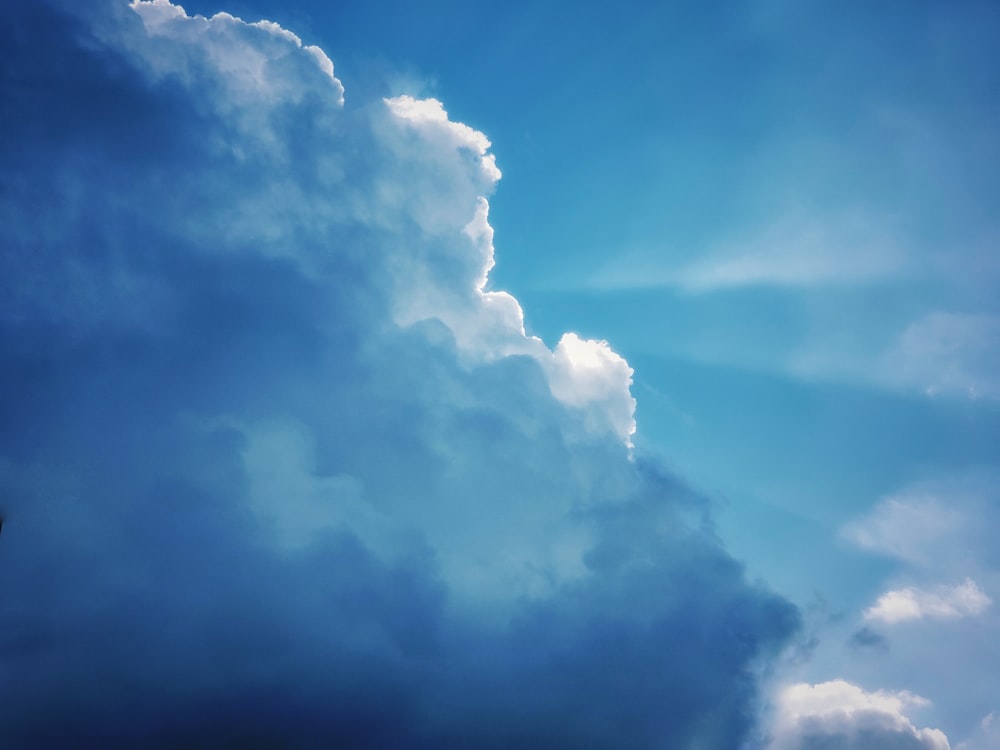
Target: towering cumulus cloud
278,468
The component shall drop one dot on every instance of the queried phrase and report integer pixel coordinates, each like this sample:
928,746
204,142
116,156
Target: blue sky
706,459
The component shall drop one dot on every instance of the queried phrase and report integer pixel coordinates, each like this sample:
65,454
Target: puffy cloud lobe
278,467
938,530
838,715
587,372
429,117
253,61
582,373
945,603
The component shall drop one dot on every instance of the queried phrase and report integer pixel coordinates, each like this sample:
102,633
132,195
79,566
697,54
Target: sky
431,375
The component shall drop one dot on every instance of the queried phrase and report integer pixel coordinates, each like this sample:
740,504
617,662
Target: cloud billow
838,715
278,467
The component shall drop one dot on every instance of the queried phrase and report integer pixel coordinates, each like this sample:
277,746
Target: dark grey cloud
868,638
276,469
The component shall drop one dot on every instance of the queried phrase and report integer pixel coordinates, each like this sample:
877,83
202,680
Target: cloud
940,354
986,736
868,638
797,251
947,353
838,715
941,524
910,525
935,530
945,603
278,466
250,62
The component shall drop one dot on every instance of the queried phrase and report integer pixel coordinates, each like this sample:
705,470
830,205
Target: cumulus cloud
839,715
278,466
944,603
939,529
252,61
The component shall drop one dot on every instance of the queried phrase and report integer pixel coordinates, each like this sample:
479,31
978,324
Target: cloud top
841,715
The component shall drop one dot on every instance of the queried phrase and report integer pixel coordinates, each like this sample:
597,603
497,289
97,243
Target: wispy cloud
936,525
947,353
986,736
795,251
912,526
939,354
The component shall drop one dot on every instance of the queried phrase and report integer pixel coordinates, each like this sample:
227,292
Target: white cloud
269,67
584,374
911,525
437,174
947,353
944,603
429,116
156,13
939,524
588,374
838,715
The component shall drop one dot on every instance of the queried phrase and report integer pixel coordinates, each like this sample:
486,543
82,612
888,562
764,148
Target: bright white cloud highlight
841,715
429,116
257,62
584,374
589,374
943,603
